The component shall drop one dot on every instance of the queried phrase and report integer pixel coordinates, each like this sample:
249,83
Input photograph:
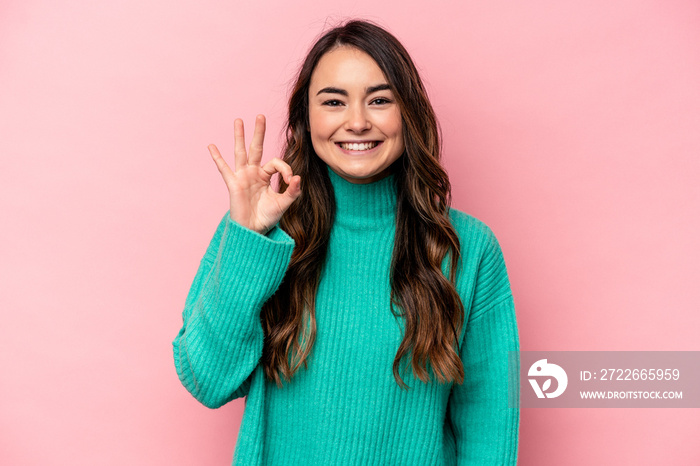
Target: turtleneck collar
364,206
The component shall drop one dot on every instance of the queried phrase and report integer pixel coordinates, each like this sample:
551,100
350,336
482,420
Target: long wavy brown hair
422,295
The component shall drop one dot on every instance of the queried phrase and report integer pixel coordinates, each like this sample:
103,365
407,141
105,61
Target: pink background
571,128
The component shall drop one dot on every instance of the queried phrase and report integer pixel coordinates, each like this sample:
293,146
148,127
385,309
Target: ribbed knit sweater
347,408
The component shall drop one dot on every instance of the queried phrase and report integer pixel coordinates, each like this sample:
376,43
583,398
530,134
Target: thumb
292,192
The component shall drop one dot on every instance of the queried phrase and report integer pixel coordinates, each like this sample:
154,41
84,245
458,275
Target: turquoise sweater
347,408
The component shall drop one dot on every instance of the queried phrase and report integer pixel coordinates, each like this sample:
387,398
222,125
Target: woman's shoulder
481,253
471,229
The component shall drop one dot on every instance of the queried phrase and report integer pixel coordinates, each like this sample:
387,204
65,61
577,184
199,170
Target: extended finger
239,144
221,164
256,144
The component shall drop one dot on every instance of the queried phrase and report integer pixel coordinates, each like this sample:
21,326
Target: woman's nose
357,120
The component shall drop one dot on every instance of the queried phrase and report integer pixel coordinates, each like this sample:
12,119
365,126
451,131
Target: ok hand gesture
254,204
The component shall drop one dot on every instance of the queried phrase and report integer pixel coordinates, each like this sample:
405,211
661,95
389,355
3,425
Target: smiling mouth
359,146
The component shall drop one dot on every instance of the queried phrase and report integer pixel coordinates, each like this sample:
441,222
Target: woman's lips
350,150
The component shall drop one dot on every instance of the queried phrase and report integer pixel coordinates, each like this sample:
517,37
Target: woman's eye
380,101
332,103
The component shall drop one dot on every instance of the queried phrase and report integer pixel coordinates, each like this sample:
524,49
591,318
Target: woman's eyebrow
333,90
379,87
369,90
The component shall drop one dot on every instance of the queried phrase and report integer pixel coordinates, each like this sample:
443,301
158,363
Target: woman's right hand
254,204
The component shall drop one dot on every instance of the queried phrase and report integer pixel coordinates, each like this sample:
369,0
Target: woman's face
354,120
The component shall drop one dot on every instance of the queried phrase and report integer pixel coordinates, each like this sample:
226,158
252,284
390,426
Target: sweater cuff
249,265
275,234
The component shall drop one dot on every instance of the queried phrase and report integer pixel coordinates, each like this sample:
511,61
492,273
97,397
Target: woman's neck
364,206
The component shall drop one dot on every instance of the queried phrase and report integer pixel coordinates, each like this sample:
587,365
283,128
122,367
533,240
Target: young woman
397,306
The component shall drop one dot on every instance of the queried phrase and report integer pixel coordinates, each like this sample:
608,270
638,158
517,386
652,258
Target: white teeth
358,146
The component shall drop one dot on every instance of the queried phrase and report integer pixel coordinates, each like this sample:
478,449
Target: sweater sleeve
221,339
484,410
